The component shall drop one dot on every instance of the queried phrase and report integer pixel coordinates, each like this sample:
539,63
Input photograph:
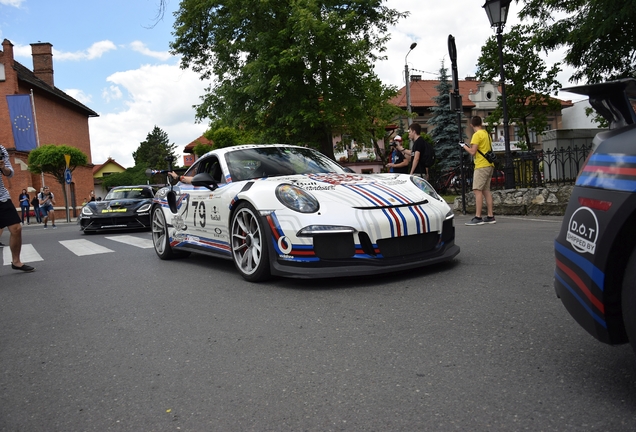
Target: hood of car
363,190
118,205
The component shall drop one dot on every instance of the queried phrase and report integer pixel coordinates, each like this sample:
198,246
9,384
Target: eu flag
22,122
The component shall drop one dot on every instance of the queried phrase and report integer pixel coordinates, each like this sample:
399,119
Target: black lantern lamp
497,11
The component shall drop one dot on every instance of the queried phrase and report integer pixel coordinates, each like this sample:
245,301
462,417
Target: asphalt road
121,341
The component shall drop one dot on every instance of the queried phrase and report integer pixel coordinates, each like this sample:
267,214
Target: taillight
595,204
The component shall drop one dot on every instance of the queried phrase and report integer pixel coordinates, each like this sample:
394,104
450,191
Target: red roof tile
201,140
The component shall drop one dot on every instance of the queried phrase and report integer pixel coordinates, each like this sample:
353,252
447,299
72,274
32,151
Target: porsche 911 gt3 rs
291,211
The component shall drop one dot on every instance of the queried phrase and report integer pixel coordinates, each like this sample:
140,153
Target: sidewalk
58,222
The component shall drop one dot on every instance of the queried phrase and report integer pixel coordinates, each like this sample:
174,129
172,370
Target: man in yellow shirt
480,142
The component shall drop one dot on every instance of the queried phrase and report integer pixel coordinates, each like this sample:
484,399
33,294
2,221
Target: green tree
374,114
445,134
597,35
529,82
50,159
152,152
130,177
201,149
293,71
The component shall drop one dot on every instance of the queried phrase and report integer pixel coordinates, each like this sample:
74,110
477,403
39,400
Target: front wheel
160,236
249,244
628,299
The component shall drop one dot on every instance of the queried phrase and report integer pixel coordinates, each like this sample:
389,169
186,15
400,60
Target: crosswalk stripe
27,254
84,247
132,241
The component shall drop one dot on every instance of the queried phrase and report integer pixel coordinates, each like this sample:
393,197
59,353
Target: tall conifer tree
444,134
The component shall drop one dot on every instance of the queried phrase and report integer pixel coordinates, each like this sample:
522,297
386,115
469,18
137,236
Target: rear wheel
249,245
628,299
161,238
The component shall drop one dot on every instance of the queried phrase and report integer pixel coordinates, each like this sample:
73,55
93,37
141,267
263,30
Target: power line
423,71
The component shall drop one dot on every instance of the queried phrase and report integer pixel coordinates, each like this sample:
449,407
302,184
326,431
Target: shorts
481,178
45,209
8,214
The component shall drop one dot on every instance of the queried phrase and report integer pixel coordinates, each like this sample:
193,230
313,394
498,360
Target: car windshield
278,161
128,193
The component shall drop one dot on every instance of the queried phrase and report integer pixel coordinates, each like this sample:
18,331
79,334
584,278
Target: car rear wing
614,100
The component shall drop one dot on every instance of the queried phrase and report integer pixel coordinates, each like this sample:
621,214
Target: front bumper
92,224
337,255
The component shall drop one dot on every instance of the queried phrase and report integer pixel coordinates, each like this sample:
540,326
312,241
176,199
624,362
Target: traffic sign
68,176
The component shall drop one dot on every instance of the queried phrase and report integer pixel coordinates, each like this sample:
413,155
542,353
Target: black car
595,252
125,207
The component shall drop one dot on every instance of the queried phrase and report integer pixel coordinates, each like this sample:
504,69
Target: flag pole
37,134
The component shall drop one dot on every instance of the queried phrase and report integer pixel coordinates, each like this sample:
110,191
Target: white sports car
291,211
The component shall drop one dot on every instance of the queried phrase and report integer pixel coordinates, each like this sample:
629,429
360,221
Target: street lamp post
408,85
497,11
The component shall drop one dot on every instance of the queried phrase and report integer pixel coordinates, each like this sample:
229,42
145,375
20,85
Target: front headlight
87,211
425,187
297,199
144,208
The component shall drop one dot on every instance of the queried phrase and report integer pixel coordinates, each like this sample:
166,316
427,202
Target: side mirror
171,197
205,180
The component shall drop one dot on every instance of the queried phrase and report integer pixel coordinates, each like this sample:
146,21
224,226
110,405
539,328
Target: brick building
57,119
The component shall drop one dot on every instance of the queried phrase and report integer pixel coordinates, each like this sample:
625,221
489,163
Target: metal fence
537,168
548,167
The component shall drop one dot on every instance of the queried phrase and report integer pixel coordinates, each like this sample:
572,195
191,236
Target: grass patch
449,198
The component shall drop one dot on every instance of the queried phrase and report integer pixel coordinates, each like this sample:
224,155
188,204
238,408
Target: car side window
211,166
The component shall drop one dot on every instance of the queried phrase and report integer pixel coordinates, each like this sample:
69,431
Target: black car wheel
628,299
249,245
161,238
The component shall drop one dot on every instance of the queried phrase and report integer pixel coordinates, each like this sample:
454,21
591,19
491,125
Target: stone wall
552,200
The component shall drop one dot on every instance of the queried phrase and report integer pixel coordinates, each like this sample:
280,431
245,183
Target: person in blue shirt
399,162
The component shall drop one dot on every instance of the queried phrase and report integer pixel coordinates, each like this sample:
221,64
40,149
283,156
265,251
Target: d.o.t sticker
583,230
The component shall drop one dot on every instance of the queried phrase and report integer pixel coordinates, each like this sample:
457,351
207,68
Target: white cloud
141,47
14,3
79,95
111,93
160,95
22,51
94,51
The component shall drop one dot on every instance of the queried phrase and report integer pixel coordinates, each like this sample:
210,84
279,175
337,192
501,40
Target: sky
113,56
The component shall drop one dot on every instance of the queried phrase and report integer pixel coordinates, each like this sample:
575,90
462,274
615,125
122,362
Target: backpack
429,154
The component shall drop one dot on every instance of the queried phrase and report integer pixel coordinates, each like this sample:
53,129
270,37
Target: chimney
42,53
7,48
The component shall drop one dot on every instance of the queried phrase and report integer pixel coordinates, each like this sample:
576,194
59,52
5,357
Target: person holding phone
480,142
47,201
25,205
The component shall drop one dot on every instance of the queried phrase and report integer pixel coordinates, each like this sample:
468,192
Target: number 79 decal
199,209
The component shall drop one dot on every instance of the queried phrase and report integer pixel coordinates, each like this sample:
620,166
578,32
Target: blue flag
22,122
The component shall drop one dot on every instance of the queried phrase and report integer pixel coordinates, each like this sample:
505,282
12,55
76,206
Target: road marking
27,254
84,247
133,241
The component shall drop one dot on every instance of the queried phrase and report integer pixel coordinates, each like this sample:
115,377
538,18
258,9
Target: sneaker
490,220
54,227
24,268
475,221
45,227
